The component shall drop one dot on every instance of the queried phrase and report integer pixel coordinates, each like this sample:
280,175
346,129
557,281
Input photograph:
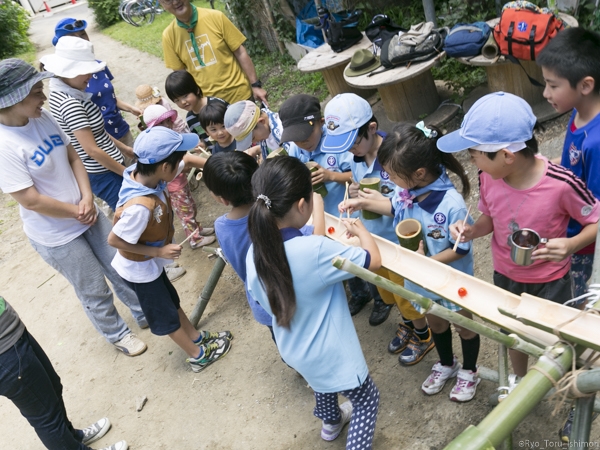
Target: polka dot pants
365,404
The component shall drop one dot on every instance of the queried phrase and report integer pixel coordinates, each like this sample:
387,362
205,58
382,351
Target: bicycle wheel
140,12
122,10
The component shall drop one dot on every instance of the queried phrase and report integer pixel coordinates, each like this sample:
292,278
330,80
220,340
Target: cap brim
190,142
349,72
339,143
454,142
246,143
297,133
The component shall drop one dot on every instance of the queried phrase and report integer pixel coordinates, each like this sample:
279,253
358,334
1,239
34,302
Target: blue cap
157,143
344,115
495,121
60,30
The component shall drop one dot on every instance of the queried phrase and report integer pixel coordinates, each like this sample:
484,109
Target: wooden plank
334,78
323,58
410,99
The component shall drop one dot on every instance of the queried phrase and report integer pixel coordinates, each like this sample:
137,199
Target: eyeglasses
75,25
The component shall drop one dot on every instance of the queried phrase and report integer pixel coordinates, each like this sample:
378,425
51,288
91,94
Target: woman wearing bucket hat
73,64
101,88
40,169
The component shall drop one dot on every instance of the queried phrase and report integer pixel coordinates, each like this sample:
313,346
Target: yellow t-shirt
217,39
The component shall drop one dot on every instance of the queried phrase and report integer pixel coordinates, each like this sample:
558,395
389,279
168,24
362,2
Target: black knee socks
443,345
470,349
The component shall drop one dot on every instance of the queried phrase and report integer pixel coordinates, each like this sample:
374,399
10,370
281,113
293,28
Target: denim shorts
106,185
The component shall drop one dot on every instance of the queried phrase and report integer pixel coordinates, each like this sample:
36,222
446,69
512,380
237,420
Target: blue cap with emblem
344,115
157,143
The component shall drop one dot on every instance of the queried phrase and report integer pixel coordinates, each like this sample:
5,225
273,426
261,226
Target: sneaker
400,341
212,352
513,381
565,432
329,431
416,350
206,231
175,273
95,431
356,304
212,336
466,386
436,380
171,265
131,345
204,240
121,445
380,313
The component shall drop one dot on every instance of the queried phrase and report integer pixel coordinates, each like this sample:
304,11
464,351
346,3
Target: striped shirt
73,115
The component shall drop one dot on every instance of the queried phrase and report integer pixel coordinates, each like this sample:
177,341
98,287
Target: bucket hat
496,121
67,26
16,80
146,96
363,61
155,114
72,57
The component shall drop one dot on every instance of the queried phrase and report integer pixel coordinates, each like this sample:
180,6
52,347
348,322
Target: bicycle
139,12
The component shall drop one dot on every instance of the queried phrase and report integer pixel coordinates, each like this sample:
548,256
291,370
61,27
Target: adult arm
86,138
125,149
87,211
128,108
248,68
31,199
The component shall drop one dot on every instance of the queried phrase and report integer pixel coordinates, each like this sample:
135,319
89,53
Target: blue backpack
466,39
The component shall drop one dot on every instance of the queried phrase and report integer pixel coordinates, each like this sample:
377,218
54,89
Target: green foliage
14,24
106,12
588,15
242,13
458,77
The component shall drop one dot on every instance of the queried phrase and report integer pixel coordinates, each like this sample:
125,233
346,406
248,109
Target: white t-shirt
130,227
36,155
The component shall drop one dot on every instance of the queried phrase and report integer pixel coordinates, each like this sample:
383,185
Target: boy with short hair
247,123
351,126
212,118
143,232
571,67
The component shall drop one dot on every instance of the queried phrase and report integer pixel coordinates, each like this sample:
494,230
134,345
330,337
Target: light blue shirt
273,142
436,213
321,342
335,162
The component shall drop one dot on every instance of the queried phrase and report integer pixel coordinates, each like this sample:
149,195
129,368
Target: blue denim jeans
106,185
28,379
84,262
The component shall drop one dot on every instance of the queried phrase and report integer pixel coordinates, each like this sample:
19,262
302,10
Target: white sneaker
207,231
465,387
513,381
121,445
175,273
329,431
131,345
95,431
439,375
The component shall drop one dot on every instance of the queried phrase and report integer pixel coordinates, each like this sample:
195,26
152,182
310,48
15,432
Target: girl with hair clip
410,156
311,322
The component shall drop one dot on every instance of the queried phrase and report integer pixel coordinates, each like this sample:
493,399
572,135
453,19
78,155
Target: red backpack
525,29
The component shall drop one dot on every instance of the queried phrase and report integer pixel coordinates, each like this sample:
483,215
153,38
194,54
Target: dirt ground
251,399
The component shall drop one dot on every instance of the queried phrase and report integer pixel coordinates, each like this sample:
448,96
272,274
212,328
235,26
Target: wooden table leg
410,99
334,78
512,78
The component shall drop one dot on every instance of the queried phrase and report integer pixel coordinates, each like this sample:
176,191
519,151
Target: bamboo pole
209,288
511,341
503,381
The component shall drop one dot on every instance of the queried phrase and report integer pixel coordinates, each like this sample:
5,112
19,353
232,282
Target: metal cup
522,244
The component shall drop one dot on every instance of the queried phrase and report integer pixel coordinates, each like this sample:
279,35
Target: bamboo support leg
211,283
503,380
582,422
410,99
334,79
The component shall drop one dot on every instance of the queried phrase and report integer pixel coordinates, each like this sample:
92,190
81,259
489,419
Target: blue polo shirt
335,162
273,142
436,213
103,96
321,342
384,226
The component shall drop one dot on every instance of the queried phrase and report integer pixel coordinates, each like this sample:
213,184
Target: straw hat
155,114
363,61
146,96
72,57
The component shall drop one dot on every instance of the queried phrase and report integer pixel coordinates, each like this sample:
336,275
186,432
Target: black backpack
382,29
342,33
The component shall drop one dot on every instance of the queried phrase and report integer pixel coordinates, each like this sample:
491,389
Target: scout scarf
190,29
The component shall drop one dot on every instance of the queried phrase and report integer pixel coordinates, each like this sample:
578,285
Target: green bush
106,12
14,24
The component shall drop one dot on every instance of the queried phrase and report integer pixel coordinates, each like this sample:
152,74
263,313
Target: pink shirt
545,208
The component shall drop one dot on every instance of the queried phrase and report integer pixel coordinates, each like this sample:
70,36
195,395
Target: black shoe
380,313
356,304
565,432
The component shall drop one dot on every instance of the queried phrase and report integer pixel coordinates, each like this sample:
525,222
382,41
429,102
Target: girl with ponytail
292,277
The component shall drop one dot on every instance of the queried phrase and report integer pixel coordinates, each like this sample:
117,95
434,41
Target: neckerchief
131,188
56,84
190,29
443,183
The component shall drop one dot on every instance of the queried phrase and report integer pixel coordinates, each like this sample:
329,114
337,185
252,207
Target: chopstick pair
460,234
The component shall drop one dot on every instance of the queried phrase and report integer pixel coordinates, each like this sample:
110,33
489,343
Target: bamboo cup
370,183
319,188
410,233
279,152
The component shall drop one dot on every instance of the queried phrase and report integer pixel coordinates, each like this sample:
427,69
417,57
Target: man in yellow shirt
206,44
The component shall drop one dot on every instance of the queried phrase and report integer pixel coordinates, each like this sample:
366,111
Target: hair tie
428,132
265,199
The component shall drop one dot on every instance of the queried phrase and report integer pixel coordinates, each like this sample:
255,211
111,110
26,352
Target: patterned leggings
184,207
365,404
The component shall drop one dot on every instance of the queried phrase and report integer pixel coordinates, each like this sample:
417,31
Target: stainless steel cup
522,244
